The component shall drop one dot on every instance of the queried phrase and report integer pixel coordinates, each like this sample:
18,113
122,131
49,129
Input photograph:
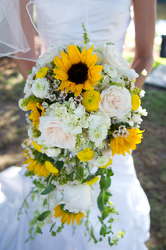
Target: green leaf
105,182
92,235
59,165
103,230
111,220
53,233
48,189
44,215
38,230
100,202
26,204
109,172
52,226
45,202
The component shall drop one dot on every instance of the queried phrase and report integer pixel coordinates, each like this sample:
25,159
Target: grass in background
150,163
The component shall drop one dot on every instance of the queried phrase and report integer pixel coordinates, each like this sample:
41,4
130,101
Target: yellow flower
92,181
37,111
39,169
66,216
51,168
42,72
86,155
91,99
77,70
107,165
135,102
37,146
120,144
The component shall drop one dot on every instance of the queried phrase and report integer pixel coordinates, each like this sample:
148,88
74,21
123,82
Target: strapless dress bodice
61,21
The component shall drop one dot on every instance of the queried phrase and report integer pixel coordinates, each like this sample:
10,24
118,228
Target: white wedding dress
107,20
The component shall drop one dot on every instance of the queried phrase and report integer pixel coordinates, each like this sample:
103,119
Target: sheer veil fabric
60,21
13,40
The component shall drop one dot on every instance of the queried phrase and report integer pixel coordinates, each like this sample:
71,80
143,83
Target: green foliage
48,189
85,35
44,215
33,99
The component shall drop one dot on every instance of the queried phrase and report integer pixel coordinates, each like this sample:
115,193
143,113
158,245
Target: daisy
40,87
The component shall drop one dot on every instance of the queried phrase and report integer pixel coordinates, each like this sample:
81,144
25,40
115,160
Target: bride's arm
144,18
24,65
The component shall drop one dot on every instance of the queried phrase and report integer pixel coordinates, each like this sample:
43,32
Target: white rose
128,73
76,197
48,56
52,152
80,110
97,119
115,101
53,133
113,57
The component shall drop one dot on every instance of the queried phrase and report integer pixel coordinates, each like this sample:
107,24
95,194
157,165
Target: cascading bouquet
84,109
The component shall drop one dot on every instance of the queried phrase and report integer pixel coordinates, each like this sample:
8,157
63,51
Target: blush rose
52,132
115,101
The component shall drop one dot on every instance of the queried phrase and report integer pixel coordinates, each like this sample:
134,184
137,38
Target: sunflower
37,111
77,70
122,144
51,168
66,216
39,169
37,146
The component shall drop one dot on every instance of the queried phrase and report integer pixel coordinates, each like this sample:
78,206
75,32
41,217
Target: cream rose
113,57
115,101
53,134
48,56
76,197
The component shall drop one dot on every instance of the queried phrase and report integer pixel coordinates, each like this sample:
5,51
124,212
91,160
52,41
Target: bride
60,22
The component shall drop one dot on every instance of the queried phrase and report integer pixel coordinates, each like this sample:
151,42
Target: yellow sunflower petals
65,60
120,144
58,62
60,74
77,218
74,54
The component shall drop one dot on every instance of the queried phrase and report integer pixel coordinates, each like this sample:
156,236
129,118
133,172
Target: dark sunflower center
78,73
